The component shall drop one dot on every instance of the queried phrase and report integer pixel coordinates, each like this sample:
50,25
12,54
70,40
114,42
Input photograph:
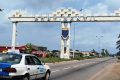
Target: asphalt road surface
79,70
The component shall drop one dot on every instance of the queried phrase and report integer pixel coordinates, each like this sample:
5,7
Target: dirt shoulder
111,72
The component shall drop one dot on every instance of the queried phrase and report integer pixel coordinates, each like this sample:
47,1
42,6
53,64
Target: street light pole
99,42
74,42
74,37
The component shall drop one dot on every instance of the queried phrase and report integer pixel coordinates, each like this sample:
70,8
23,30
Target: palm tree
107,53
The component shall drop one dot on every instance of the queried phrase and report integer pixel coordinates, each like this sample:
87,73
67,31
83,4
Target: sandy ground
111,72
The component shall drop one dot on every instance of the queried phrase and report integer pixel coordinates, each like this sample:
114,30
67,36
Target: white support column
65,43
68,42
62,49
62,45
14,36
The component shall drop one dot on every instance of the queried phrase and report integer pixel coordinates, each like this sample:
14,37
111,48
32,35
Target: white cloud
113,3
97,9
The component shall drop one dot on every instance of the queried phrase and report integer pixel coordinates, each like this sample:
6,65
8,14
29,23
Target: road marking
55,71
67,68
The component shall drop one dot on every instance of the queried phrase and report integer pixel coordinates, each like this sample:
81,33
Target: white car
22,67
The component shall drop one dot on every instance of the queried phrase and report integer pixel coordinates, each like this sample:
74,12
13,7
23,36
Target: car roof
23,54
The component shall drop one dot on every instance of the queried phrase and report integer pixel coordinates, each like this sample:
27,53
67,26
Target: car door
31,67
40,67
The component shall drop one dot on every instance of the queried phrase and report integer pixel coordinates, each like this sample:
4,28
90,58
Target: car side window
29,61
36,60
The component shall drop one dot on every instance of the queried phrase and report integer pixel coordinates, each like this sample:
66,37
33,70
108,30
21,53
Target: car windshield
10,58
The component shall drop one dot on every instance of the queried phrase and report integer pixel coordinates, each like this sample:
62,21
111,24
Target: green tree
28,48
118,53
118,45
93,51
107,53
103,53
81,55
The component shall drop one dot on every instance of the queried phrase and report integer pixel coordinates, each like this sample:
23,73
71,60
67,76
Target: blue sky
48,34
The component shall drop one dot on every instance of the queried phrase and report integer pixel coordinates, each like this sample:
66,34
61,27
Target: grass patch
53,60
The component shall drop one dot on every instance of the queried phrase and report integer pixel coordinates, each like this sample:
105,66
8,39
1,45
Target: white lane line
67,68
55,71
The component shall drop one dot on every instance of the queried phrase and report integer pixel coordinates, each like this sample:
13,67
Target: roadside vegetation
118,47
57,59
53,56
53,60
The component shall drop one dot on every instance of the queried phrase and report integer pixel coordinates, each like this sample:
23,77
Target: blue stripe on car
3,66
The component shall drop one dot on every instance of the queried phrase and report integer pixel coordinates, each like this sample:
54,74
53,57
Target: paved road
79,70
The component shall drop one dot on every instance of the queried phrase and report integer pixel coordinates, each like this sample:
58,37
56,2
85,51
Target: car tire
47,76
25,78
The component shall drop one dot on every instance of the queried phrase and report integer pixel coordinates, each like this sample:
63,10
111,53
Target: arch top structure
63,15
66,17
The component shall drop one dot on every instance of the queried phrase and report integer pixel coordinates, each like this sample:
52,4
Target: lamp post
74,37
74,42
99,42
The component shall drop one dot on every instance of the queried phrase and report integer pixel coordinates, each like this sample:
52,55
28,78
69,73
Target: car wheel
47,76
25,78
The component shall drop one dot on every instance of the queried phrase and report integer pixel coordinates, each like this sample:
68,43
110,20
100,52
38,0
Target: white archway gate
66,17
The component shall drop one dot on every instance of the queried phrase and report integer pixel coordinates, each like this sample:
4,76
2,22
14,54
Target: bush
118,57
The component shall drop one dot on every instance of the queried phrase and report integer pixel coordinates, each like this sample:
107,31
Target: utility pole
74,37
74,42
99,43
